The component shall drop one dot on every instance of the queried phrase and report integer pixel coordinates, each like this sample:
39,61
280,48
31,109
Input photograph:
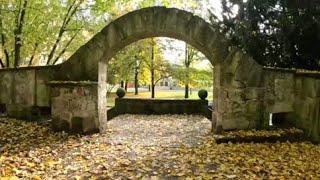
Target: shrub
203,94
121,92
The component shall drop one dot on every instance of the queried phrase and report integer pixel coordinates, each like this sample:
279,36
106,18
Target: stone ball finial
203,94
121,92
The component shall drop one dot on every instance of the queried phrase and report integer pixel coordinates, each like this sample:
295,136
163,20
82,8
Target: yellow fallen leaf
9,178
35,177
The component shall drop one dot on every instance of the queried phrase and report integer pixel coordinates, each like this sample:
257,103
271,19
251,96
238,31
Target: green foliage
201,78
121,92
203,94
282,33
51,31
46,24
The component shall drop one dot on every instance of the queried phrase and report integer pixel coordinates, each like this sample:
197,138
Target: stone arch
233,73
141,24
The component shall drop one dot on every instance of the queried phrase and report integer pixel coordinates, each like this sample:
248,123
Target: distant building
169,83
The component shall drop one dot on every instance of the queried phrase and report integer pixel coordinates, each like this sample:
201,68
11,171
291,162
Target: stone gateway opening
235,72
244,93
282,120
242,87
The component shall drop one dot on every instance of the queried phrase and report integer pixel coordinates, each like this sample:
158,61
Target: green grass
160,94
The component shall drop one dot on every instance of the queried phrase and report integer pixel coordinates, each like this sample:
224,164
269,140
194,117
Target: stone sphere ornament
121,92
203,94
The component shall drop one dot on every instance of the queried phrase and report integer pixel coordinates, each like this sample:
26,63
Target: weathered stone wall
295,93
238,92
246,94
279,90
307,105
23,89
160,106
74,106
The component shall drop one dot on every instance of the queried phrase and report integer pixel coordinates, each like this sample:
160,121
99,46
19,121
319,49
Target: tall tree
191,55
20,16
281,33
136,75
3,42
72,9
156,65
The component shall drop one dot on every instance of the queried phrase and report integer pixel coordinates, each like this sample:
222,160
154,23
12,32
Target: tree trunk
126,86
7,57
1,63
187,62
186,91
3,44
136,82
18,33
153,92
122,84
152,71
17,47
152,84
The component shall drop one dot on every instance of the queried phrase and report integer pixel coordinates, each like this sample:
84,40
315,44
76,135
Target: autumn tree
47,32
4,59
156,65
27,29
191,56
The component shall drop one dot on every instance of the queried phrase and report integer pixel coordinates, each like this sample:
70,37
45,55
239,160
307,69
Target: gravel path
159,130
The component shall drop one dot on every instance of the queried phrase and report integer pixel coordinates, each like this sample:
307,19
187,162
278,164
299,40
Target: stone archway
237,76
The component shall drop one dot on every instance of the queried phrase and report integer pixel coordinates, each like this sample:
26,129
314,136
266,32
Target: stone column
102,95
216,124
237,93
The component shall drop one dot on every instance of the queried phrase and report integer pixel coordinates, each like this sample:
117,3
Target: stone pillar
237,92
74,106
102,95
216,121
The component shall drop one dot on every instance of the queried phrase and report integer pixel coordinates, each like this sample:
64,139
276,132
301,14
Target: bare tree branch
71,11
65,48
33,53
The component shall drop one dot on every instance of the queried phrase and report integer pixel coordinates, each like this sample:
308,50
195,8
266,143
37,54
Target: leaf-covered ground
148,147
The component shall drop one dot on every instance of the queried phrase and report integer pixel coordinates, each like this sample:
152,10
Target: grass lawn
159,94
